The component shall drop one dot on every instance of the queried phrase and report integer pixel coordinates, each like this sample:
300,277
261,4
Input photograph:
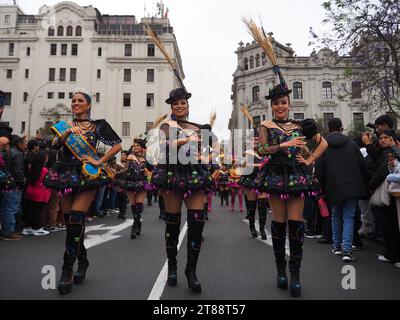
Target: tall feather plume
159,120
164,51
213,117
247,114
261,38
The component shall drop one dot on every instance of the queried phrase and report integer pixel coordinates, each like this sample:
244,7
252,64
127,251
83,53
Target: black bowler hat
278,91
178,94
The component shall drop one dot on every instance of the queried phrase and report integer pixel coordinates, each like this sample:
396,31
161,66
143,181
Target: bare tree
365,37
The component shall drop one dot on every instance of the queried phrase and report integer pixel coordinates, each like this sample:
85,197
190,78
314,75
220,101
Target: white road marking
92,240
161,281
269,236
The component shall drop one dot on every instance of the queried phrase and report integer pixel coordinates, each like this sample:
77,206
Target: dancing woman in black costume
76,186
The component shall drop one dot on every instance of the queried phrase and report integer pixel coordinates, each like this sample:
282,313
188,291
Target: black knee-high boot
206,211
195,227
262,211
137,210
221,195
251,209
83,262
278,232
226,197
161,206
173,224
75,232
296,239
246,203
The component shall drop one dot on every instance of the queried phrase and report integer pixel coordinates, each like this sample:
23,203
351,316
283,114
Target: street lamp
31,107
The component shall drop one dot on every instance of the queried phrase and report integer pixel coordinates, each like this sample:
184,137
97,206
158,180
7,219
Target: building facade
320,87
45,57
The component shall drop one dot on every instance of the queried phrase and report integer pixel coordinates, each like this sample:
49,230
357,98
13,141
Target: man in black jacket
11,200
341,173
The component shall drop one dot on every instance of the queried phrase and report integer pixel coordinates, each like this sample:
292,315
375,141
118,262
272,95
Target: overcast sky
208,33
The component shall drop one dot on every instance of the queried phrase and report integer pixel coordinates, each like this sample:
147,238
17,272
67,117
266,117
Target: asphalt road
232,265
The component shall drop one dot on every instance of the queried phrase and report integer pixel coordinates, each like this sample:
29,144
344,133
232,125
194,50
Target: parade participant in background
76,175
234,186
286,178
221,176
122,198
133,179
248,182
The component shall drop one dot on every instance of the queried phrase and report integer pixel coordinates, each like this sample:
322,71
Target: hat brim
171,100
276,96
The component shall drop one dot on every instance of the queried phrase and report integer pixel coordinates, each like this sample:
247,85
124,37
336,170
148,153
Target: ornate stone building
44,57
320,88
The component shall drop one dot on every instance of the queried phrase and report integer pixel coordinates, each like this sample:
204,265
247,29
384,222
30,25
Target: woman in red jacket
37,195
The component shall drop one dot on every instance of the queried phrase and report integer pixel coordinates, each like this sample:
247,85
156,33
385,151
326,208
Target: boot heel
193,283
66,282
282,283
80,274
295,287
172,279
263,234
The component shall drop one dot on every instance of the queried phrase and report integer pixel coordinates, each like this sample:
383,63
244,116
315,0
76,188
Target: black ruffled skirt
68,178
249,181
130,182
286,179
182,178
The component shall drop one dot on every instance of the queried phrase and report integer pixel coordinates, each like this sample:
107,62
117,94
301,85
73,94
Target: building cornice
64,39
9,60
19,39
130,60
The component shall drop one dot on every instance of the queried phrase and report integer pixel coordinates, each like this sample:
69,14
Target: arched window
257,60
60,31
251,62
99,51
50,32
297,90
28,51
326,90
264,58
78,31
256,94
246,64
389,89
69,31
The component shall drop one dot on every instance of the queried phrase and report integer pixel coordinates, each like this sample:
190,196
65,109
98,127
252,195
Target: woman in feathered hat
76,176
133,180
286,178
182,181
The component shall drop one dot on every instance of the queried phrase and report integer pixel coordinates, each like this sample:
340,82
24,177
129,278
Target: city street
232,265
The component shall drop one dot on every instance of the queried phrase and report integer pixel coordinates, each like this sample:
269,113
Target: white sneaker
27,231
397,264
40,232
382,258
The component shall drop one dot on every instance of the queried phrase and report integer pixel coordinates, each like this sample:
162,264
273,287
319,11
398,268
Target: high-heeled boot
262,211
195,226
75,231
206,211
296,239
278,233
83,262
173,223
136,226
251,209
